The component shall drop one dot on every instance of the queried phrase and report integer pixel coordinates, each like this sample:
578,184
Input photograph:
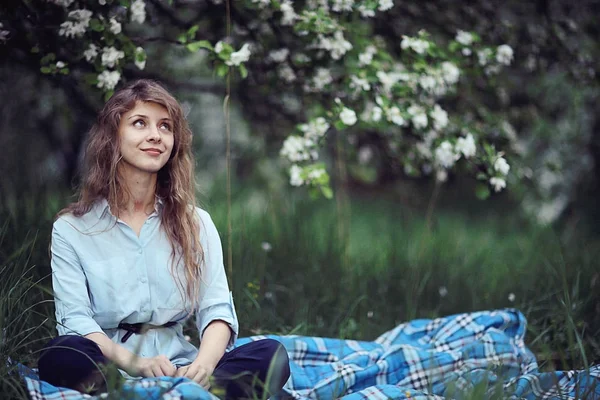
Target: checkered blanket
482,354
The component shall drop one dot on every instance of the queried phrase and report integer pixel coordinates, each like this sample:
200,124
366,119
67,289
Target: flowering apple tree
349,80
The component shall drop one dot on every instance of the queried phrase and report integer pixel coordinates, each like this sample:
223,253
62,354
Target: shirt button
140,251
143,280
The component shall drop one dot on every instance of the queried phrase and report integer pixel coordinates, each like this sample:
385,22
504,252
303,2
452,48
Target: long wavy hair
175,184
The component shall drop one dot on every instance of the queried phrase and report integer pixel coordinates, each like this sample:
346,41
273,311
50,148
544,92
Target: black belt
140,328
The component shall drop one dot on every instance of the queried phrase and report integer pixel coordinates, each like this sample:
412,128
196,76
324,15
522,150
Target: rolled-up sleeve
71,299
216,301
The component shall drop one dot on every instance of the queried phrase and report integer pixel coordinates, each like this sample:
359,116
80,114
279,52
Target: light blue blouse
104,274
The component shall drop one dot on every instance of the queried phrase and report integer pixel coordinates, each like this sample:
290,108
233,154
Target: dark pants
253,370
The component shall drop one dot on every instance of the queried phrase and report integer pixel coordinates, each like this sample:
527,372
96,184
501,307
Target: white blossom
102,2
439,116
367,57
60,64
441,175
366,12
418,116
140,58
289,15
464,38
115,26
336,45
315,128
219,47
450,72
466,146
385,5
315,174
466,51
240,56
62,3
342,5
511,297
359,83
261,3
445,155
296,176
442,290
279,56
376,114
297,148
322,77
365,154
393,115
428,83
286,73
266,246
501,166
108,80
498,183
91,53
111,56
483,56
138,11
423,148
388,80
504,54
419,46
348,116
78,22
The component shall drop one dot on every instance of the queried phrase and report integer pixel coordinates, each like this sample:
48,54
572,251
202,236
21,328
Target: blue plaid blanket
480,353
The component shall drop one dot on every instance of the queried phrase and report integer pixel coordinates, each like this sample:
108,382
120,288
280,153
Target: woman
134,258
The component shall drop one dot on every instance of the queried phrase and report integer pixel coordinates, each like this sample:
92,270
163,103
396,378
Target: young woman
134,258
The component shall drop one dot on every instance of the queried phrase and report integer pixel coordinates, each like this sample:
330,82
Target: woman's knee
69,360
278,362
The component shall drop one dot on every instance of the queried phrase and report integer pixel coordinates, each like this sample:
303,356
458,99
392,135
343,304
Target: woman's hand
196,372
153,367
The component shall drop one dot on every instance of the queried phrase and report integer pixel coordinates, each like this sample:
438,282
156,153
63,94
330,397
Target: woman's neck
142,189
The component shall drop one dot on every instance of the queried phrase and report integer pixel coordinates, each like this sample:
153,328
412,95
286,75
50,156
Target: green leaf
191,33
48,58
243,71
91,79
327,192
64,71
339,125
201,44
96,25
45,70
35,49
182,38
222,70
108,95
482,192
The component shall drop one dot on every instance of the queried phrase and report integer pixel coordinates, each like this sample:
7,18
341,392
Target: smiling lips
152,152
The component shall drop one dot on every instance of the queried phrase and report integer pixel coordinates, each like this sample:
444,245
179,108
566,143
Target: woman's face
146,137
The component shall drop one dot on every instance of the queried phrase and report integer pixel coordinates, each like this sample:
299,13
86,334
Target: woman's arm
131,363
212,347
213,344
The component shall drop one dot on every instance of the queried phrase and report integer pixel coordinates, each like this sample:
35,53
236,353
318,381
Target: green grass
351,274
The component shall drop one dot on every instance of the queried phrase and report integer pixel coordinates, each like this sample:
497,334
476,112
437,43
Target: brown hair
175,181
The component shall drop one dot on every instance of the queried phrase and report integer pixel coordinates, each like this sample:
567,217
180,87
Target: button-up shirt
104,274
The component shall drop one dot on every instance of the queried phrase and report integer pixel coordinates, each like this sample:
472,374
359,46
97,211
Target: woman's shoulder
68,220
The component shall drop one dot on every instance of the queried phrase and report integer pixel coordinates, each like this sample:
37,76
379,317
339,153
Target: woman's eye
139,123
165,126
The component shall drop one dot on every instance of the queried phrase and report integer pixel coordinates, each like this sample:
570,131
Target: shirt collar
102,206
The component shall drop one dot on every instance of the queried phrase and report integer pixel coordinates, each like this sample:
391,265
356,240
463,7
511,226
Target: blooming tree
353,80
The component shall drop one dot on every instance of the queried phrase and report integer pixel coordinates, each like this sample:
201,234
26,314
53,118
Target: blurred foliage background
388,248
